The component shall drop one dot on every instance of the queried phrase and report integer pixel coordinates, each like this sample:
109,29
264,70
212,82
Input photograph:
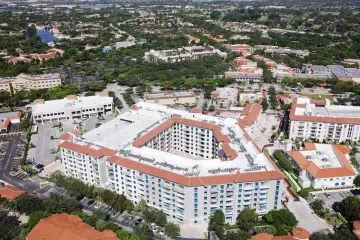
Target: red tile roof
67,227
9,119
10,193
87,150
300,233
251,112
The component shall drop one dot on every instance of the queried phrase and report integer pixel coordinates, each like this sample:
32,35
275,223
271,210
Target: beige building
169,98
27,82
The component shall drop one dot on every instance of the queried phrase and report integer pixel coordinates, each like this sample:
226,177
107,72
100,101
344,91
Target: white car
151,226
155,229
161,233
97,205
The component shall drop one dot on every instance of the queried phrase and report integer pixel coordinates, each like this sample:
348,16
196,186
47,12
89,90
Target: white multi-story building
183,54
323,166
319,120
188,165
71,107
28,82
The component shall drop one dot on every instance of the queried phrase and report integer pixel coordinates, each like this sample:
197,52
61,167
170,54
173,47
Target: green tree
237,235
124,235
156,216
143,232
357,181
247,219
304,193
35,217
9,226
172,230
283,220
264,104
217,223
350,208
212,108
28,204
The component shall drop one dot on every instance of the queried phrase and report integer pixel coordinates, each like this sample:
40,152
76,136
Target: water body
46,35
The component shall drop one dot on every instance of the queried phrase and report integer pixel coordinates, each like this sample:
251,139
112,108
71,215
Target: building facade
28,82
188,165
71,107
319,120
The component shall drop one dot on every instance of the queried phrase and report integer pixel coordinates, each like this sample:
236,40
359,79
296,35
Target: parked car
90,202
97,205
138,221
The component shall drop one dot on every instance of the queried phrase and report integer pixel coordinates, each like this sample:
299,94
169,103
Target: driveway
118,90
307,219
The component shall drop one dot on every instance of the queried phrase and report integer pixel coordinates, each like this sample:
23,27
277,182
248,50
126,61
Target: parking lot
331,199
12,150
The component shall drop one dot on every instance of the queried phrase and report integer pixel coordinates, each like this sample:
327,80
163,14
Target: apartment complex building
188,165
183,54
27,82
170,97
319,120
323,166
71,107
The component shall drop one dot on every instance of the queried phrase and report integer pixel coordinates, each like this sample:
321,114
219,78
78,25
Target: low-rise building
170,97
251,97
188,165
224,97
323,166
28,82
63,226
321,121
71,107
183,54
8,118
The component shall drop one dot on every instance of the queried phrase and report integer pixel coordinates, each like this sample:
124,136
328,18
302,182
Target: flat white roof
324,156
119,134
62,104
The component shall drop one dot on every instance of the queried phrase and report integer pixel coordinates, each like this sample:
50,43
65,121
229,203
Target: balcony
166,185
264,186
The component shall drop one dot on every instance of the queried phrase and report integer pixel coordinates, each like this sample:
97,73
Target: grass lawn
292,185
334,220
